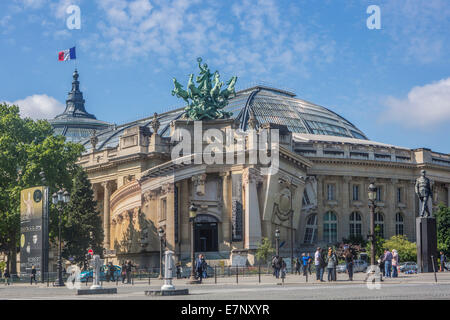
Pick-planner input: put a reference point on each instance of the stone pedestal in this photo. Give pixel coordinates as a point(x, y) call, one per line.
point(426, 235)
point(168, 289)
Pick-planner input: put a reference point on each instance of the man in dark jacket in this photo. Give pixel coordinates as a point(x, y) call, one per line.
point(130, 267)
point(33, 275)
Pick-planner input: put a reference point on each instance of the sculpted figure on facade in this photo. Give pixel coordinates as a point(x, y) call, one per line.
point(199, 184)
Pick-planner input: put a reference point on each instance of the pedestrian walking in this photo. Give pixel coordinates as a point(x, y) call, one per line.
point(395, 262)
point(443, 261)
point(297, 265)
point(199, 267)
point(276, 265)
point(348, 256)
point(283, 268)
point(306, 259)
point(124, 271)
point(317, 263)
point(387, 258)
point(331, 264)
point(204, 268)
point(33, 275)
point(129, 269)
point(7, 276)
point(381, 267)
point(178, 270)
point(111, 271)
point(309, 262)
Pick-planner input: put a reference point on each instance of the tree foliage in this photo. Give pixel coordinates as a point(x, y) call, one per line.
point(443, 228)
point(82, 224)
point(28, 147)
point(264, 250)
point(407, 251)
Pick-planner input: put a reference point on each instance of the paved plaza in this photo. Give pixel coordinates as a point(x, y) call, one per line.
point(406, 287)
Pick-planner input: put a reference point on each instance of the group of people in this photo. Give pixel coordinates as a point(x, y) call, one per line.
point(127, 269)
point(279, 267)
point(201, 267)
point(303, 265)
point(328, 261)
point(389, 263)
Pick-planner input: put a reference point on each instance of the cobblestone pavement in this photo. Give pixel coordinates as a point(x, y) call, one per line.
point(422, 286)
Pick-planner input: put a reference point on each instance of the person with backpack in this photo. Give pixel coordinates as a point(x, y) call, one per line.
point(348, 256)
point(276, 265)
point(319, 264)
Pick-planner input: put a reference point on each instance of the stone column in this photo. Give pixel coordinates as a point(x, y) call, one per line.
point(343, 222)
point(252, 217)
point(226, 209)
point(320, 201)
point(106, 213)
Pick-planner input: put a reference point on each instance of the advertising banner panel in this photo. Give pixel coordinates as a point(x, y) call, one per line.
point(34, 230)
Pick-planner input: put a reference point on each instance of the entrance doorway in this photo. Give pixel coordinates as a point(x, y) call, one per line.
point(206, 235)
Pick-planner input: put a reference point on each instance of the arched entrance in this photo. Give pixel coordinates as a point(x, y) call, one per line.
point(206, 233)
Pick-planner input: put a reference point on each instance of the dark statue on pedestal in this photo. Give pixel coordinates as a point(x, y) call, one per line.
point(423, 191)
point(425, 227)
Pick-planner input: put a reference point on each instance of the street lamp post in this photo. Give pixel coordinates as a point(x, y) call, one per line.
point(161, 234)
point(192, 215)
point(372, 195)
point(58, 199)
point(277, 241)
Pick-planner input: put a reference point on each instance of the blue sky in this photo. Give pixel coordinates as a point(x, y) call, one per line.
point(392, 83)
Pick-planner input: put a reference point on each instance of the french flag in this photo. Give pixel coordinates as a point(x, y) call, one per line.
point(68, 54)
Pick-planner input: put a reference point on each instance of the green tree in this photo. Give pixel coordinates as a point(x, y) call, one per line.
point(28, 147)
point(443, 228)
point(264, 250)
point(407, 251)
point(82, 225)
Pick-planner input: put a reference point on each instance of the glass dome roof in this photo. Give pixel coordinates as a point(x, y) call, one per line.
point(267, 104)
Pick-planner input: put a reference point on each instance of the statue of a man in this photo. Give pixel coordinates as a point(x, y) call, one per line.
point(423, 191)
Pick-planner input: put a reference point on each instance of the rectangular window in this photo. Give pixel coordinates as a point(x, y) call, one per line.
point(399, 195)
point(379, 193)
point(163, 210)
point(355, 192)
point(330, 192)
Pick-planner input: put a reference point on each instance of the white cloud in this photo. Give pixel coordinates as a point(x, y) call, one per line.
point(417, 28)
point(39, 107)
point(423, 107)
point(259, 38)
point(33, 4)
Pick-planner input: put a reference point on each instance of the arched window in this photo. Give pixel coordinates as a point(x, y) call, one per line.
point(330, 227)
point(399, 224)
point(379, 221)
point(311, 229)
point(355, 224)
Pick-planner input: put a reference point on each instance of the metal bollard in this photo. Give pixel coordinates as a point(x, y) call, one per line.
point(237, 274)
point(259, 273)
point(434, 269)
point(215, 274)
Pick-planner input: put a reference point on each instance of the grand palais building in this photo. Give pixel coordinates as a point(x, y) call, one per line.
point(318, 197)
